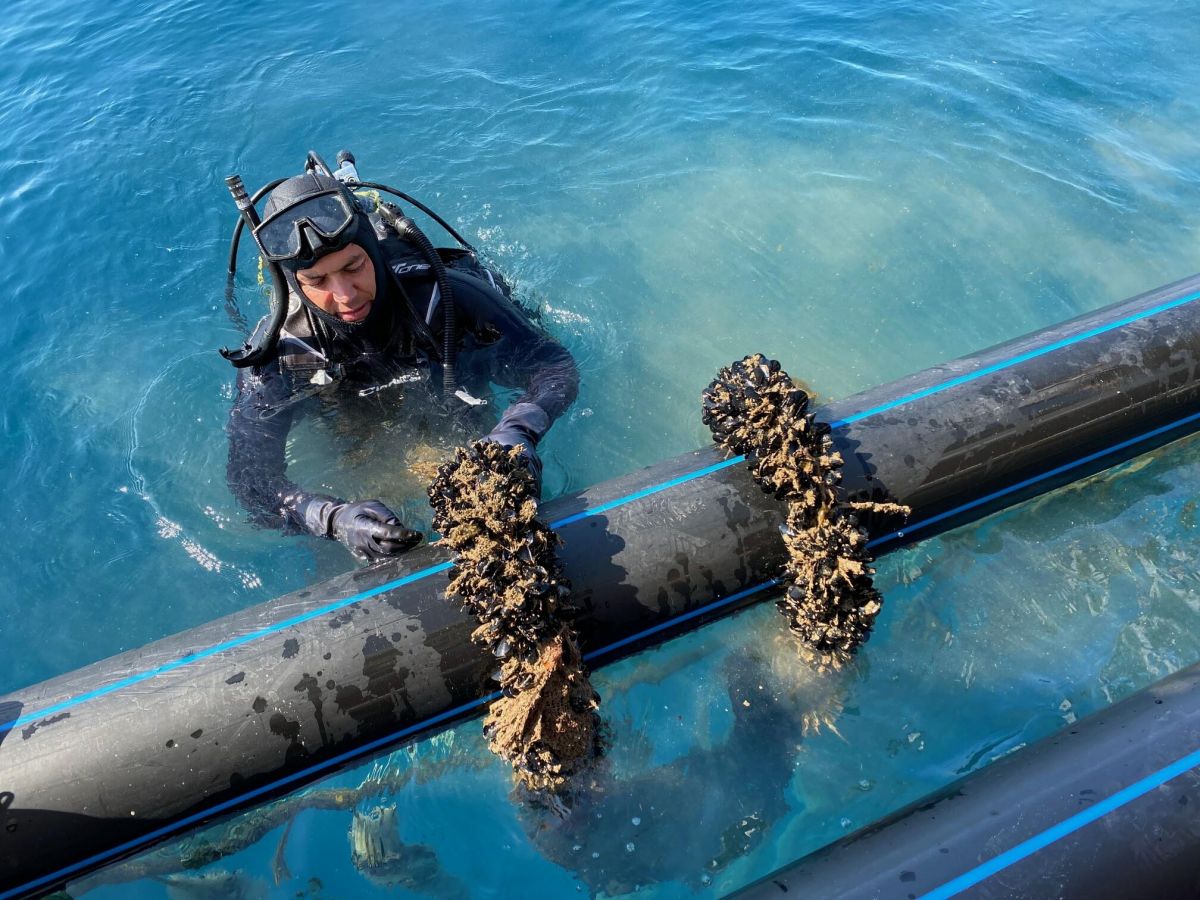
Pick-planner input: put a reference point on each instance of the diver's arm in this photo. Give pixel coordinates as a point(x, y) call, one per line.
point(257, 472)
point(525, 357)
point(531, 359)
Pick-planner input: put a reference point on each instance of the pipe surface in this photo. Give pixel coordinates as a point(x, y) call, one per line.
point(102, 762)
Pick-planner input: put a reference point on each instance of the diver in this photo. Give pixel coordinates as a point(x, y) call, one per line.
point(365, 307)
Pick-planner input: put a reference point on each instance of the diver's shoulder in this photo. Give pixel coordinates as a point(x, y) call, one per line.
point(406, 259)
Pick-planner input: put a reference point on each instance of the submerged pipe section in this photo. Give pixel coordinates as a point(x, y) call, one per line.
point(104, 761)
point(1106, 808)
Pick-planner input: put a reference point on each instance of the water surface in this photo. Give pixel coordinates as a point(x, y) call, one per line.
point(860, 190)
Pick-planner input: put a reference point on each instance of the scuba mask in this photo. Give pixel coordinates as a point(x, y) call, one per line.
point(312, 227)
point(308, 217)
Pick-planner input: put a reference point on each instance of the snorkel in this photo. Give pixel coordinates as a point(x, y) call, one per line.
point(260, 346)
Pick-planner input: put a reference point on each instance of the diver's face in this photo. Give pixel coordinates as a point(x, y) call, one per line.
point(341, 284)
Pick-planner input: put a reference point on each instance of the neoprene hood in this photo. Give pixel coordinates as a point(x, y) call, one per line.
point(298, 193)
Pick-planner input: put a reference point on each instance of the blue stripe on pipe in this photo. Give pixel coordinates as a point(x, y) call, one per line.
point(679, 620)
point(954, 382)
point(225, 645)
point(1091, 457)
point(1040, 841)
point(340, 604)
point(1016, 360)
point(646, 492)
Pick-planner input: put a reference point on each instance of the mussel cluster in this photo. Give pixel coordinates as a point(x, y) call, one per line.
point(546, 722)
point(507, 575)
point(754, 408)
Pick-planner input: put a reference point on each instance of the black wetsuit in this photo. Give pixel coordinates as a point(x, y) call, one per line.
point(315, 363)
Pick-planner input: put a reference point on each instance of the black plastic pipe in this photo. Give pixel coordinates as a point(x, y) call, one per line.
point(1108, 808)
point(106, 760)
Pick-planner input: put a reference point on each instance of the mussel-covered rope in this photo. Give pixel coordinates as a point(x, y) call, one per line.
point(754, 408)
point(508, 576)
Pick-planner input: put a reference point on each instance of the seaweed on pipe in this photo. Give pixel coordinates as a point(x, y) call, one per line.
point(754, 408)
point(507, 575)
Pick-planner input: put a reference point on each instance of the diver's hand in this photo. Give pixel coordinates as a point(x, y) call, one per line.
point(371, 530)
point(523, 425)
point(528, 454)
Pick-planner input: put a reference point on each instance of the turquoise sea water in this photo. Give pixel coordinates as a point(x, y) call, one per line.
point(859, 189)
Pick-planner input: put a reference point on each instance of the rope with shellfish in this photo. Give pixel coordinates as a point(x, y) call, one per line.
point(508, 576)
point(754, 408)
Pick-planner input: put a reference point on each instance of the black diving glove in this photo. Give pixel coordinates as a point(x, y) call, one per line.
point(372, 531)
point(524, 424)
point(368, 528)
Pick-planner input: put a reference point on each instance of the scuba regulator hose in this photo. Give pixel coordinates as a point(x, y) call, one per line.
point(407, 229)
point(257, 348)
point(375, 185)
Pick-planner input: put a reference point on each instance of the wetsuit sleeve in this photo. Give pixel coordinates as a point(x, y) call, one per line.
point(524, 357)
point(257, 472)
